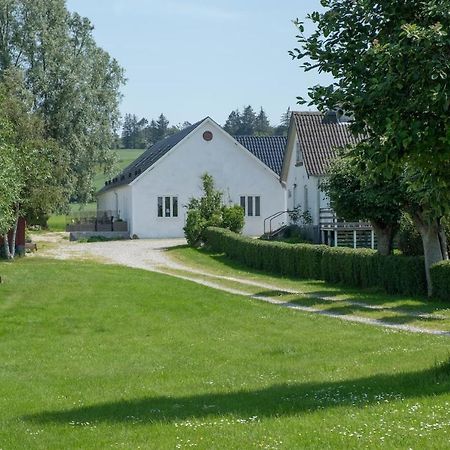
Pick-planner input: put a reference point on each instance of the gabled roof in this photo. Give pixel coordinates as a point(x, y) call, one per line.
point(268, 149)
point(148, 158)
point(320, 135)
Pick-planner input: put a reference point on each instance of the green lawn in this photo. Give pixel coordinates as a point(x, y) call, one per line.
point(96, 356)
point(369, 303)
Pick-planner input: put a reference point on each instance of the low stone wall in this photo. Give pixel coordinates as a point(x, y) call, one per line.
point(118, 226)
point(77, 235)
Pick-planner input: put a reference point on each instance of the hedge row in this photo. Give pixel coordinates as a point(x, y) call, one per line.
point(356, 268)
point(440, 275)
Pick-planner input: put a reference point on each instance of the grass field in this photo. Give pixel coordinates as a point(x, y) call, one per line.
point(124, 158)
point(96, 356)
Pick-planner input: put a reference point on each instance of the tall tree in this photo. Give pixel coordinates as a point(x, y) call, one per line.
point(282, 129)
point(262, 124)
point(40, 167)
point(234, 123)
point(75, 84)
point(391, 69)
point(129, 131)
point(162, 125)
point(248, 122)
point(11, 184)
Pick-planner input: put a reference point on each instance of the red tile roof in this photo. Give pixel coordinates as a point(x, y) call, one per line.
point(320, 136)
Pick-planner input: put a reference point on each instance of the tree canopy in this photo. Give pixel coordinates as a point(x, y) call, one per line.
point(34, 167)
point(391, 72)
point(249, 123)
point(74, 83)
point(355, 195)
point(141, 134)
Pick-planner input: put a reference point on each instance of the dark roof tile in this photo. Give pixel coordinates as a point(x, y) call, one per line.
point(268, 149)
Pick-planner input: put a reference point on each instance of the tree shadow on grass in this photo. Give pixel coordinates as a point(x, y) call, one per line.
point(371, 296)
point(404, 313)
point(273, 401)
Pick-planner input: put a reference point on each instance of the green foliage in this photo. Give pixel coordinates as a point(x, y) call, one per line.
point(40, 166)
point(233, 218)
point(209, 211)
point(409, 239)
point(390, 64)
point(357, 268)
point(248, 123)
point(74, 83)
point(262, 124)
point(299, 217)
point(440, 275)
point(141, 134)
point(10, 186)
point(282, 129)
point(354, 195)
point(195, 225)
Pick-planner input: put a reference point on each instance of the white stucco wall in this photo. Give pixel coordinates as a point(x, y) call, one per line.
point(303, 190)
point(117, 201)
point(235, 170)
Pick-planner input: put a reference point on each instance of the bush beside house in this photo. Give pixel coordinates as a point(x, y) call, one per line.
point(440, 275)
point(357, 268)
point(209, 211)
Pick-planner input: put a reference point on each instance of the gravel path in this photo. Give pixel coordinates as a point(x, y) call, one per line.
point(152, 255)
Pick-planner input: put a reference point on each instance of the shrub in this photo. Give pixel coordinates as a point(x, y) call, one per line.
point(208, 211)
point(440, 276)
point(233, 218)
point(358, 268)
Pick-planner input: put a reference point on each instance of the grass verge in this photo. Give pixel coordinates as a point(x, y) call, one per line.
point(97, 356)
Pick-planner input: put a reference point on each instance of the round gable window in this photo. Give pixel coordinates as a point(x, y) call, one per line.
point(207, 136)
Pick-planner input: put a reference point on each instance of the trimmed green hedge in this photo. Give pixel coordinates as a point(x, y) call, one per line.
point(357, 268)
point(440, 276)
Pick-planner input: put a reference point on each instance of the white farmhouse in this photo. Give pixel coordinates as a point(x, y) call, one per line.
point(313, 142)
point(152, 192)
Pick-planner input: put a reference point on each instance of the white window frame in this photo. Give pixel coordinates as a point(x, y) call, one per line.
point(168, 213)
point(246, 200)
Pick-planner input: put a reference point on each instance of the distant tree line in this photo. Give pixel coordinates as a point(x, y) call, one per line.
point(140, 133)
point(250, 123)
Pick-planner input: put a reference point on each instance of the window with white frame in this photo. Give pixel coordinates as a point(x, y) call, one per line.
point(167, 206)
point(251, 204)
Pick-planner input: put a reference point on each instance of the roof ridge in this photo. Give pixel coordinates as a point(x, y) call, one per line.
point(149, 157)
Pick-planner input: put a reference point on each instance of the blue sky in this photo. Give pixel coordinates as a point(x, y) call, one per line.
point(194, 58)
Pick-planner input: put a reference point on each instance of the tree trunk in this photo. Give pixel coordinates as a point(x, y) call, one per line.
point(385, 237)
point(14, 234)
point(6, 246)
point(430, 232)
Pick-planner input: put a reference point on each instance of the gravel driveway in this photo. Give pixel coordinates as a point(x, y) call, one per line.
point(147, 254)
